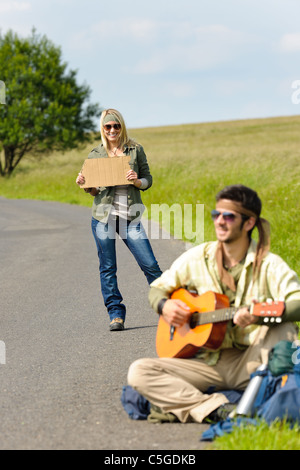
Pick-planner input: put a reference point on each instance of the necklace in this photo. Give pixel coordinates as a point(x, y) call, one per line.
point(114, 151)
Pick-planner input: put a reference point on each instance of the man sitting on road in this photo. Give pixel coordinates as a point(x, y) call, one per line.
point(242, 269)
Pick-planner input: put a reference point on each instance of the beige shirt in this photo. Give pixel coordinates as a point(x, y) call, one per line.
point(196, 269)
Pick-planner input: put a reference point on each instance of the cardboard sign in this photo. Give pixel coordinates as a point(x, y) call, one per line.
point(105, 171)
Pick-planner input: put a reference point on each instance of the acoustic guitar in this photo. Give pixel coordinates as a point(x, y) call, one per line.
point(206, 328)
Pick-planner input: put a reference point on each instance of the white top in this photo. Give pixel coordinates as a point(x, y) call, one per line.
point(121, 199)
point(120, 202)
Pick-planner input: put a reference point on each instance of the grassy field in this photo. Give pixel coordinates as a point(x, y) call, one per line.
point(190, 163)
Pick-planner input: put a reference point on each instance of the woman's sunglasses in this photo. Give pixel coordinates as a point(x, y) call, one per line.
point(227, 216)
point(108, 127)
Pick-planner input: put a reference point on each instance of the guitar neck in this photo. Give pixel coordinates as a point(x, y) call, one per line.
point(223, 314)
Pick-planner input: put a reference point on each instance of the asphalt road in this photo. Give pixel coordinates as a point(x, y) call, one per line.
point(62, 370)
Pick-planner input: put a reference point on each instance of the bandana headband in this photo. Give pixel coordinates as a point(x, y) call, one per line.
point(237, 207)
point(110, 117)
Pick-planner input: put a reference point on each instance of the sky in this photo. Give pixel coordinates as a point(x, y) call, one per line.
point(172, 62)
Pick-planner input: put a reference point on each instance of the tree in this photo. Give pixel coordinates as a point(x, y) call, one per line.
point(45, 109)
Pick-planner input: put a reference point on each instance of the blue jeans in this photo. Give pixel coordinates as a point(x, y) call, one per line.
point(135, 238)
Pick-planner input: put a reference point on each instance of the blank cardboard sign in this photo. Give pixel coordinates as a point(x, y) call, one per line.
point(105, 171)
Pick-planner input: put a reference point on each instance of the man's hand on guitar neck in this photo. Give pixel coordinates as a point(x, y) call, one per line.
point(243, 318)
point(176, 312)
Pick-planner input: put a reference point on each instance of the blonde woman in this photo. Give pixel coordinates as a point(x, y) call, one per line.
point(117, 209)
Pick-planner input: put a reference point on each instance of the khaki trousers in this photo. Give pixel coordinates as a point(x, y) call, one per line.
point(178, 385)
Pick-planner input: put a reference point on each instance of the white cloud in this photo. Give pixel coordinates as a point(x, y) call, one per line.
point(114, 34)
point(290, 42)
point(126, 28)
point(188, 47)
point(232, 86)
point(7, 6)
point(179, 89)
point(157, 46)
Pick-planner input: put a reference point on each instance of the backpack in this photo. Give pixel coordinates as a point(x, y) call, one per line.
point(278, 396)
point(136, 406)
point(279, 393)
point(282, 358)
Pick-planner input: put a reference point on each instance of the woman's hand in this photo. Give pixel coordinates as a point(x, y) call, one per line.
point(131, 175)
point(80, 179)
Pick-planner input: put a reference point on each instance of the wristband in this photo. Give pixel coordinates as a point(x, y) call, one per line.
point(160, 306)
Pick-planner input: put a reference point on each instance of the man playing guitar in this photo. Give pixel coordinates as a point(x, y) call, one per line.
point(238, 269)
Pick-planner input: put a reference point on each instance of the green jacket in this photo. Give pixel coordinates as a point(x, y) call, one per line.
point(103, 202)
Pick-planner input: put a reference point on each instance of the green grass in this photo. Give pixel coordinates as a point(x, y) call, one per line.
point(49, 178)
point(277, 436)
point(190, 163)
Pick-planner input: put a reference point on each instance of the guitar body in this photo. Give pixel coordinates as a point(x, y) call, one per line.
point(186, 340)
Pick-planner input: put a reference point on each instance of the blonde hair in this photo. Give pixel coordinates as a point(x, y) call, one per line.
point(123, 138)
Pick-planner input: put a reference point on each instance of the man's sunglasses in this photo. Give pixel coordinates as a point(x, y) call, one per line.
point(108, 127)
point(227, 216)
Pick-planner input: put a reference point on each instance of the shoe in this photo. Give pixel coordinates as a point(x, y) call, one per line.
point(117, 324)
point(220, 414)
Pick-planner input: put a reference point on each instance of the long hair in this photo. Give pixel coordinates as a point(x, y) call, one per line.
point(123, 137)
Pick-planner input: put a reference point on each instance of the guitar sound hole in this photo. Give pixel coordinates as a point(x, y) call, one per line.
point(193, 322)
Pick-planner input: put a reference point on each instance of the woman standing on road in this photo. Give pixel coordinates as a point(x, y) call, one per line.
point(117, 209)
